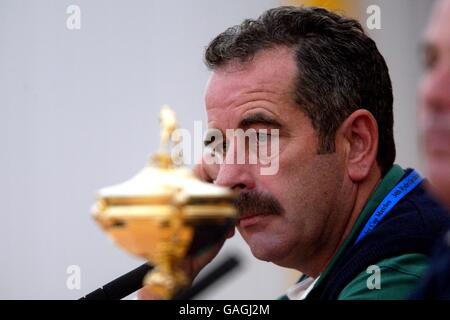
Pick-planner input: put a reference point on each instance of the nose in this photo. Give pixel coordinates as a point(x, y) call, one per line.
point(436, 89)
point(234, 175)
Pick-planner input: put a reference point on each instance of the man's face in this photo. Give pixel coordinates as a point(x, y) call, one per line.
point(435, 101)
point(286, 217)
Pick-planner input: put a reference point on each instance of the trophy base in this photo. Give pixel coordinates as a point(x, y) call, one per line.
point(165, 285)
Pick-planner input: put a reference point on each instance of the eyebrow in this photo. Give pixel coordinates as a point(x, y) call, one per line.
point(248, 121)
point(258, 118)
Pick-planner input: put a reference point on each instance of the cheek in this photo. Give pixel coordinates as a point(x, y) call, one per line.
point(421, 116)
point(424, 90)
point(424, 112)
point(284, 185)
point(439, 175)
point(312, 185)
point(291, 187)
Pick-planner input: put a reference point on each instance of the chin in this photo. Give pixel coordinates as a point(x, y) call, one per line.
point(265, 249)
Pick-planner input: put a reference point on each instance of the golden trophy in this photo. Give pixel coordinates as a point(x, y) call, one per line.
point(164, 213)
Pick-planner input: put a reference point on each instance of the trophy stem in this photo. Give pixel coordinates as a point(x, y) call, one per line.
point(167, 279)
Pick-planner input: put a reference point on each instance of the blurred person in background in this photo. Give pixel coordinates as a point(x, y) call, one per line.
point(434, 123)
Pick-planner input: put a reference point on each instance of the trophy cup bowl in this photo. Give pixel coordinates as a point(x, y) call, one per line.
point(165, 214)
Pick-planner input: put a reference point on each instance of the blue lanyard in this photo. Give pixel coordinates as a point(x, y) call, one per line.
point(399, 192)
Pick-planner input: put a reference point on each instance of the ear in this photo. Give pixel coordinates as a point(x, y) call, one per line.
point(358, 136)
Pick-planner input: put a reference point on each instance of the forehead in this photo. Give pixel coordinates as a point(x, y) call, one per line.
point(438, 31)
point(270, 76)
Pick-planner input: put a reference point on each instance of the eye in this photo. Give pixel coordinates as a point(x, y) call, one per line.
point(262, 136)
point(216, 147)
point(214, 142)
point(430, 57)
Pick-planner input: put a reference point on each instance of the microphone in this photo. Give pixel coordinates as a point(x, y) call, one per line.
point(122, 286)
point(132, 281)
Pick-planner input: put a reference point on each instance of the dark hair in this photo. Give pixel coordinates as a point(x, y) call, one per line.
point(340, 68)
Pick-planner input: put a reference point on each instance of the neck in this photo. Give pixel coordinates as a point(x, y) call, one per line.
point(339, 232)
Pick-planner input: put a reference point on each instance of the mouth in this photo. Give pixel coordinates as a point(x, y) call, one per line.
point(250, 219)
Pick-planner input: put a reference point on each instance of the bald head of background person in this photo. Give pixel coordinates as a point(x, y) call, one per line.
point(434, 123)
point(434, 110)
